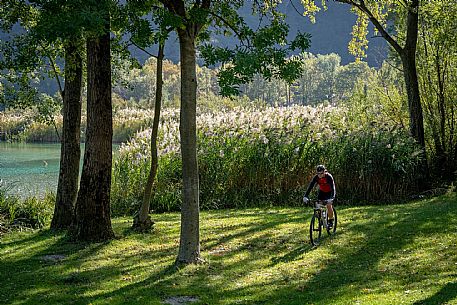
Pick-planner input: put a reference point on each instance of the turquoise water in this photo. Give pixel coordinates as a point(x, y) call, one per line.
point(30, 169)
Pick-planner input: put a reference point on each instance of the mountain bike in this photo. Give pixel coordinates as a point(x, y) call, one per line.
point(319, 221)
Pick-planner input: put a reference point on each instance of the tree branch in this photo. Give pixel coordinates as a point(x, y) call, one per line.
point(295, 8)
point(53, 65)
point(402, 3)
point(142, 49)
point(362, 7)
point(228, 25)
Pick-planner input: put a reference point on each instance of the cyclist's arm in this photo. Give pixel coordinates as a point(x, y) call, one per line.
point(331, 182)
point(311, 185)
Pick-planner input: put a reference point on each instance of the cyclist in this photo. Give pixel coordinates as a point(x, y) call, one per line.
point(326, 190)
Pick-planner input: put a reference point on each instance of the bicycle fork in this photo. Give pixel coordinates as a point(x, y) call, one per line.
point(324, 218)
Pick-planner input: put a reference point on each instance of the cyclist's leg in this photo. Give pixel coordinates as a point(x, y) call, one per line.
point(329, 210)
point(326, 196)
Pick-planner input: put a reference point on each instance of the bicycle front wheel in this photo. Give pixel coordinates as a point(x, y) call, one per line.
point(315, 230)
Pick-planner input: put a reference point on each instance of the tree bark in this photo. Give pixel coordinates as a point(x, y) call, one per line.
point(70, 152)
point(408, 57)
point(92, 216)
point(416, 120)
point(189, 247)
point(142, 222)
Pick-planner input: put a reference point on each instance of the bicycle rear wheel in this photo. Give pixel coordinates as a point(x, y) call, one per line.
point(335, 222)
point(315, 230)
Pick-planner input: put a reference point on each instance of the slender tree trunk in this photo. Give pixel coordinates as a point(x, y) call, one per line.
point(142, 222)
point(441, 100)
point(439, 131)
point(92, 215)
point(70, 152)
point(189, 247)
point(426, 84)
point(416, 120)
point(452, 137)
point(408, 58)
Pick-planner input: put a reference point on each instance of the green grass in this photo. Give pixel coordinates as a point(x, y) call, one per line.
point(400, 254)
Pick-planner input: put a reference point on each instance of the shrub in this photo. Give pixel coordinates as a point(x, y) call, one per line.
point(31, 212)
point(251, 157)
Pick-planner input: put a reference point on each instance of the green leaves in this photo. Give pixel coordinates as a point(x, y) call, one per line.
point(264, 51)
point(276, 33)
point(301, 42)
point(13, 12)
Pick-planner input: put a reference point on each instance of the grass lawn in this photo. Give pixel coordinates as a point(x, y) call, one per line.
point(401, 254)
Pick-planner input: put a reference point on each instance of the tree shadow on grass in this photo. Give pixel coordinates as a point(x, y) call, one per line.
point(208, 277)
point(388, 231)
point(34, 258)
point(447, 293)
point(49, 268)
point(351, 272)
point(241, 230)
point(292, 255)
point(32, 238)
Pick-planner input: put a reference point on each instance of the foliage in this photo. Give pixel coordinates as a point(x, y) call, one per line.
point(378, 12)
point(402, 39)
point(255, 157)
point(265, 53)
point(30, 212)
point(437, 66)
point(253, 256)
point(24, 125)
point(323, 79)
point(378, 98)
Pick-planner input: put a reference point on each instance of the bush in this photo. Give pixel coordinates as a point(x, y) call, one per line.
point(250, 157)
point(31, 212)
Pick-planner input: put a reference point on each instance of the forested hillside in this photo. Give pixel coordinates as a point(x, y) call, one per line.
point(330, 33)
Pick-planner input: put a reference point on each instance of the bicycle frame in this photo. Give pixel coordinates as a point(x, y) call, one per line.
point(319, 221)
point(322, 208)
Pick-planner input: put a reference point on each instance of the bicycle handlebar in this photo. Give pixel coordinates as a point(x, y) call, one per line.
point(320, 203)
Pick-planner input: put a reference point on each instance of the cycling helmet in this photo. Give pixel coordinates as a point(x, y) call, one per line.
point(320, 168)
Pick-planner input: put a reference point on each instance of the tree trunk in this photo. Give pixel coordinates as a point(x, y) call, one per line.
point(92, 216)
point(439, 141)
point(416, 120)
point(408, 58)
point(189, 247)
point(441, 105)
point(70, 152)
point(142, 222)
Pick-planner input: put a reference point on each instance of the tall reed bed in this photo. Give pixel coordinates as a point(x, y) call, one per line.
point(252, 157)
point(25, 126)
point(12, 125)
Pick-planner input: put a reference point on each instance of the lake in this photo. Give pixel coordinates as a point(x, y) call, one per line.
point(28, 169)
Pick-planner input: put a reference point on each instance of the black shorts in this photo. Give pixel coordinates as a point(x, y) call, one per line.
point(324, 195)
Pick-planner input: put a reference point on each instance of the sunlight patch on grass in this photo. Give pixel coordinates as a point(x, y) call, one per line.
point(252, 256)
